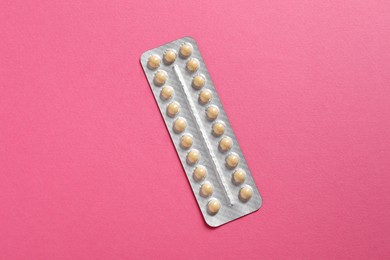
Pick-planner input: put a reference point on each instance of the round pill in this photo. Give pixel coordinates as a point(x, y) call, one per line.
point(166, 92)
point(169, 57)
point(186, 141)
point(160, 78)
point(206, 189)
point(238, 177)
point(153, 62)
point(245, 193)
point(179, 125)
point(213, 206)
point(232, 160)
point(192, 65)
point(193, 157)
point(212, 112)
point(218, 129)
point(198, 81)
point(185, 50)
point(225, 144)
point(205, 96)
point(199, 173)
point(173, 108)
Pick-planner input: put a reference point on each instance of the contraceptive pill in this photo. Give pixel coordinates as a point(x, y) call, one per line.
point(185, 50)
point(179, 124)
point(166, 92)
point(225, 144)
point(173, 109)
point(205, 96)
point(238, 177)
point(169, 56)
point(212, 112)
point(193, 157)
point(218, 129)
point(201, 132)
point(199, 173)
point(186, 141)
point(192, 65)
point(153, 62)
point(232, 160)
point(206, 189)
point(198, 81)
point(245, 193)
point(213, 206)
point(160, 77)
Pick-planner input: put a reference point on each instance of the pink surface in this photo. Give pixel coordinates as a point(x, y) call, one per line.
point(87, 169)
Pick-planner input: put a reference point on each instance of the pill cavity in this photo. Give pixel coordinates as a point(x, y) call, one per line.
point(225, 144)
point(160, 78)
point(186, 141)
point(205, 96)
point(166, 92)
point(199, 173)
point(212, 112)
point(218, 129)
point(193, 157)
point(185, 50)
point(232, 160)
point(169, 56)
point(213, 206)
point(198, 81)
point(238, 177)
point(245, 193)
point(206, 189)
point(179, 125)
point(192, 65)
point(153, 62)
point(173, 109)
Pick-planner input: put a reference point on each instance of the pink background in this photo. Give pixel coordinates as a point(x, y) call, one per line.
point(87, 169)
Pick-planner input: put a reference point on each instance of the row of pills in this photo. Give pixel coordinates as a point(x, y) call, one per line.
point(192, 158)
point(180, 123)
point(218, 129)
point(170, 55)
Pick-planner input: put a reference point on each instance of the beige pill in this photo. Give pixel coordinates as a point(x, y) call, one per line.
point(206, 190)
point(193, 157)
point(198, 81)
point(179, 125)
point(218, 129)
point(166, 92)
point(192, 65)
point(213, 206)
point(212, 112)
point(205, 96)
point(225, 144)
point(232, 160)
point(169, 57)
point(186, 141)
point(238, 177)
point(173, 108)
point(153, 62)
point(160, 78)
point(245, 193)
point(185, 50)
point(199, 173)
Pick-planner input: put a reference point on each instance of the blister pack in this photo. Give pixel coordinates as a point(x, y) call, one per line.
point(200, 130)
